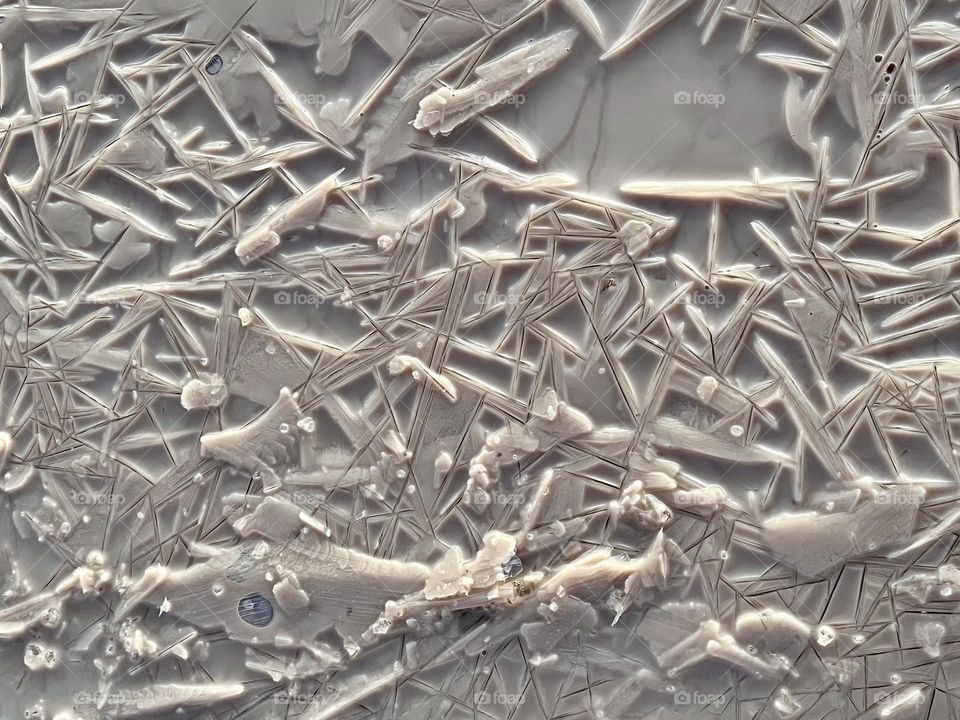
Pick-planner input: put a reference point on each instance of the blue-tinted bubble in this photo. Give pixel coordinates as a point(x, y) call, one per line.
point(255, 610)
point(214, 65)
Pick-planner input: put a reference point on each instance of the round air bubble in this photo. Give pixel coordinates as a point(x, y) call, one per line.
point(255, 610)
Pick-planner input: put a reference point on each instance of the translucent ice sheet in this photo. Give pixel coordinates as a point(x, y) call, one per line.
point(500, 359)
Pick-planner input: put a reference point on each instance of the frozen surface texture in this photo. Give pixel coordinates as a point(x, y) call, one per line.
point(479, 359)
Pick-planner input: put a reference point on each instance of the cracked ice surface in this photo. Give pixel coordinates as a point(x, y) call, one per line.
point(504, 359)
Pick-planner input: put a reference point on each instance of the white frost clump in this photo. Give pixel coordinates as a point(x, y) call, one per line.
point(707, 387)
point(205, 391)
